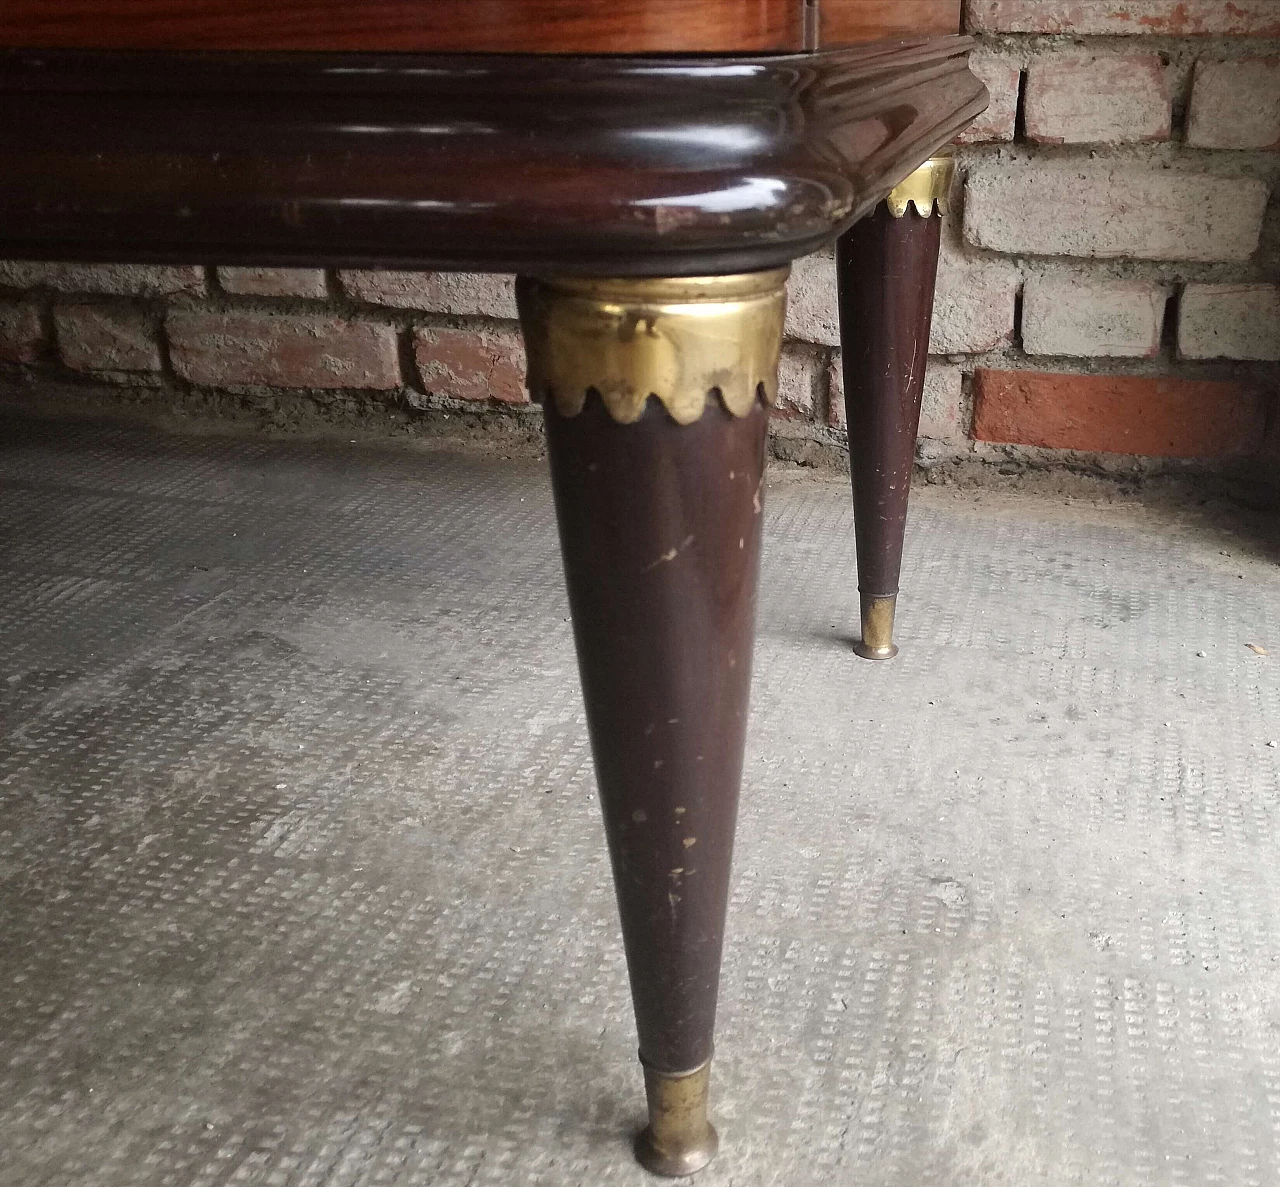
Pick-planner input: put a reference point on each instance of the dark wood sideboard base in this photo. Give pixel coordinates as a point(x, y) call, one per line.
point(678, 189)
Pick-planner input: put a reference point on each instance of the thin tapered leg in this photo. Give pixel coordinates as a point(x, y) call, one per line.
point(658, 504)
point(886, 266)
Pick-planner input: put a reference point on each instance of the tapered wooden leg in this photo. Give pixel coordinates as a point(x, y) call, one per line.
point(886, 266)
point(658, 502)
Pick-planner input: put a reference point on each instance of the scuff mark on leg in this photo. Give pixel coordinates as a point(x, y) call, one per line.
point(673, 899)
point(670, 554)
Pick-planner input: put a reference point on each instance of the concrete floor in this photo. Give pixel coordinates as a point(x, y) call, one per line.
point(302, 882)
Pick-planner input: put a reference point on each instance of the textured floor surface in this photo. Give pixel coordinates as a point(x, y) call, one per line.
point(302, 883)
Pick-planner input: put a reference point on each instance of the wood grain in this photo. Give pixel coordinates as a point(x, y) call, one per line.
point(430, 26)
point(852, 22)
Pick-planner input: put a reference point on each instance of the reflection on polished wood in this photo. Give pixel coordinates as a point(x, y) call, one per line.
point(429, 26)
point(521, 163)
point(471, 26)
point(851, 22)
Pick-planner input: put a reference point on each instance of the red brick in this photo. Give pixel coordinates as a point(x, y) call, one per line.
point(108, 338)
point(1229, 321)
point(1001, 76)
point(138, 280)
point(459, 293)
point(21, 334)
point(1171, 18)
point(279, 350)
point(1155, 417)
point(274, 282)
point(1108, 209)
point(1103, 99)
point(472, 364)
point(1235, 104)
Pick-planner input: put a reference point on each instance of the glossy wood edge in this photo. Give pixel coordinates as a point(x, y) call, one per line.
point(854, 22)
point(597, 165)
point(470, 26)
point(407, 26)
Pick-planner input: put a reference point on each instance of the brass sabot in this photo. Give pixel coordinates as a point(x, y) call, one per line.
point(679, 1140)
point(679, 340)
point(928, 186)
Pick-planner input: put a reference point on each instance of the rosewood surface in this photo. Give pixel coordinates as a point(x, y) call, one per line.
point(430, 26)
point(885, 268)
point(852, 22)
point(658, 166)
point(470, 26)
point(660, 529)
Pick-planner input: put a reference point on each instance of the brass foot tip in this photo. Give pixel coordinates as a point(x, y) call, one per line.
point(861, 648)
point(679, 1140)
point(877, 627)
point(675, 1164)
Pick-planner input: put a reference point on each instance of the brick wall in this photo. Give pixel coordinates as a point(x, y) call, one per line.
point(1108, 282)
point(1121, 197)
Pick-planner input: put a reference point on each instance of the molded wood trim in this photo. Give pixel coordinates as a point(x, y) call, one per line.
point(658, 166)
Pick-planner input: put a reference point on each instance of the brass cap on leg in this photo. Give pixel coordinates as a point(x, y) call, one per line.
point(877, 627)
point(928, 187)
point(682, 340)
point(679, 1139)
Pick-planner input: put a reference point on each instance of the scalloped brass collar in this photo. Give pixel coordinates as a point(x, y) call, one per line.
point(928, 186)
point(678, 340)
